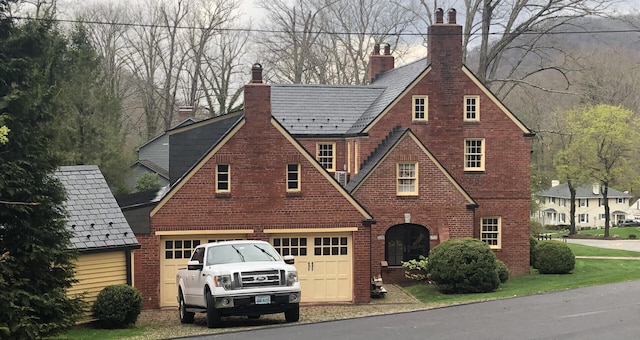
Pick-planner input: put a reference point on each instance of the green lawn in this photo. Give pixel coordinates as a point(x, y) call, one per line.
point(587, 272)
point(621, 232)
point(87, 333)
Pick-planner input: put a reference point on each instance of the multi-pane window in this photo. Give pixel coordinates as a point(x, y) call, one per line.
point(296, 246)
point(471, 105)
point(490, 231)
point(562, 202)
point(583, 202)
point(222, 178)
point(583, 218)
point(293, 177)
point(179, 249)
point(327, 246)
point(407, 178)
point(562, 218)
point(603, 217)
point(551, 200)
point(405, 242)
point(474, 154)
point(420, 108)
point(326, 155)
point(621, 200)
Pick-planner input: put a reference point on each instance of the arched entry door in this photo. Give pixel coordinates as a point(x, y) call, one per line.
point(404, 242)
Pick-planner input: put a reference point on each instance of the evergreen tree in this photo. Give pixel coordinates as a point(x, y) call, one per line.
point(36, 269)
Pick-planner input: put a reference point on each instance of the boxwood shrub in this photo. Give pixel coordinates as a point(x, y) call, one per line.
point(117, 306)
point(502, 270)
point(532, 246)
point(463, 265)
point(552, 257)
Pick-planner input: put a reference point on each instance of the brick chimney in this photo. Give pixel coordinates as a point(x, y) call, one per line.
point(444, 43)
point(257, 97)
point(379, 63)
point(185, 112)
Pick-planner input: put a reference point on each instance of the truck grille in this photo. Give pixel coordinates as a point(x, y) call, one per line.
point(262, 278)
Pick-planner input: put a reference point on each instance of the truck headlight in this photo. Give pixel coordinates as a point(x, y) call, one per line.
point(292, 278)
point(223, 281)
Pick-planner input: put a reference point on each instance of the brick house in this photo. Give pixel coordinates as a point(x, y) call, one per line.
point(352, 180)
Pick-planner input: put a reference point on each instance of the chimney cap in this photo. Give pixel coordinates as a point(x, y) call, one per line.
point(452, 16)
point(439, 16)
point(256, 73)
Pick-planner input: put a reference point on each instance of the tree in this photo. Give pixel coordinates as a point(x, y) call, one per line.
point(603, 145)
point(148, 181)
point(37, 267)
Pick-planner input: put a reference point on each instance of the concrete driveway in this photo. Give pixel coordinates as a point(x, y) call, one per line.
point(633, 245)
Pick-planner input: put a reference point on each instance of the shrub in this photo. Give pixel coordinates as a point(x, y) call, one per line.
point(532, 245)
point(117, 306)
point(463, 265)
point(633, 236)
point(502, 270)
point(552, 257)
point(416, 269)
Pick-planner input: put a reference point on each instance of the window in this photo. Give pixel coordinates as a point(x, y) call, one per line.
point(293, 177)
point(471, 108)
point(474, 155)
point(603, 217)
point(420, 108)
point(583, 218)
point(407, 176)
point(600, 202)
point(326, 155)
point(583, 202)
point(621, 200)
point(328, 246)
point(406, 242)
point(551, 200)
point(562, 218)
point(562, 202)
point(222, 178)
point(179, 249)
point(490, 231)
point(290, 246)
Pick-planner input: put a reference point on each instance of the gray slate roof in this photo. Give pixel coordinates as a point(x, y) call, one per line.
point(585, 192)
point(94, 215)
point(339, 109)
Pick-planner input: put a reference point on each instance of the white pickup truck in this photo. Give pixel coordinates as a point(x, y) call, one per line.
point(244, 277)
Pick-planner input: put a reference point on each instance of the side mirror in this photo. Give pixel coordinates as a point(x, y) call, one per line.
point(288, 259)
point(194, 265)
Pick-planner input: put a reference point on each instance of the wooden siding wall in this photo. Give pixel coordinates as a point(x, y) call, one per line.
point(96, 271)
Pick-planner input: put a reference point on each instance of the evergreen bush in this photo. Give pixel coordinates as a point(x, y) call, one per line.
point(117, 306)
point(463, 265)
point(552, 257)
point(532, 245)
point(502, 270)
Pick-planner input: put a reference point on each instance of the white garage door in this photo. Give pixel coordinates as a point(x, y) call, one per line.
point(174, 254)
point(324, 264)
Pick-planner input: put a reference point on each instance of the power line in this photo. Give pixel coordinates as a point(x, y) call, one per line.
point(253, 30)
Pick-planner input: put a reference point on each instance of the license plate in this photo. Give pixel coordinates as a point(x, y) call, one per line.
point(263, 299)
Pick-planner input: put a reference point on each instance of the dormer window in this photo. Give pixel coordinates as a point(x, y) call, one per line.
point(420, 108)
point(471, 108)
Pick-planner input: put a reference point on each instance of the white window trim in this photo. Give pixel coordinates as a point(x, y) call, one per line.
point(415, 178)
point(499, 245)
point(426, 108)
point(228, 178)
point(483, 155)
point(333, 154)
point(477, 106)
point(298, 188)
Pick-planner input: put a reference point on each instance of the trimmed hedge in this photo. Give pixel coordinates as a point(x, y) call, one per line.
point(117, 306)
point(502, 270)
point(463, 265)
point(552, 257)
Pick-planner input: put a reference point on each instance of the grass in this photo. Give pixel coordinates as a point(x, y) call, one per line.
point(84, 332)
point(587, 272)
point(621, 232)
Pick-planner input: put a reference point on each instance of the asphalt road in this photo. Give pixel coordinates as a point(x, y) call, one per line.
point(602, 312)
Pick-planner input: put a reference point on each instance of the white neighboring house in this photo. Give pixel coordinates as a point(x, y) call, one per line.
point(633, 212)
point(555, 206)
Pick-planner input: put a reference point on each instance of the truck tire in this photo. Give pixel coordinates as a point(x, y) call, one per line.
point(213, 315)
point(292, 314)
point(185, 317)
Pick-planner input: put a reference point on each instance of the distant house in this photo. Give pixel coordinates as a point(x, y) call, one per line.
point(101, 234)
point(351, 180)
point(555, 206)
point(633, 212)
point(153, 155)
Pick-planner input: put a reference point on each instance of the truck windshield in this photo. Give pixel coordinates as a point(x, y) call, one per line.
point(246, 252)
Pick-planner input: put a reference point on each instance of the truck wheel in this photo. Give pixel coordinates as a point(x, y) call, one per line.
point(213, 315)
point(185, 317)
point(292, 314)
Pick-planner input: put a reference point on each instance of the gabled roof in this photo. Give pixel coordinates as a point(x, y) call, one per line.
point(151, 166)
point(386, 147)
point(141, 198)
point(185, 122)
point(339, 109)
point(95, 218)
point(585, 191)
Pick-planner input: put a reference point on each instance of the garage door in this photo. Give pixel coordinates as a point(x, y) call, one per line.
point(175, 252)
point(324, 264)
